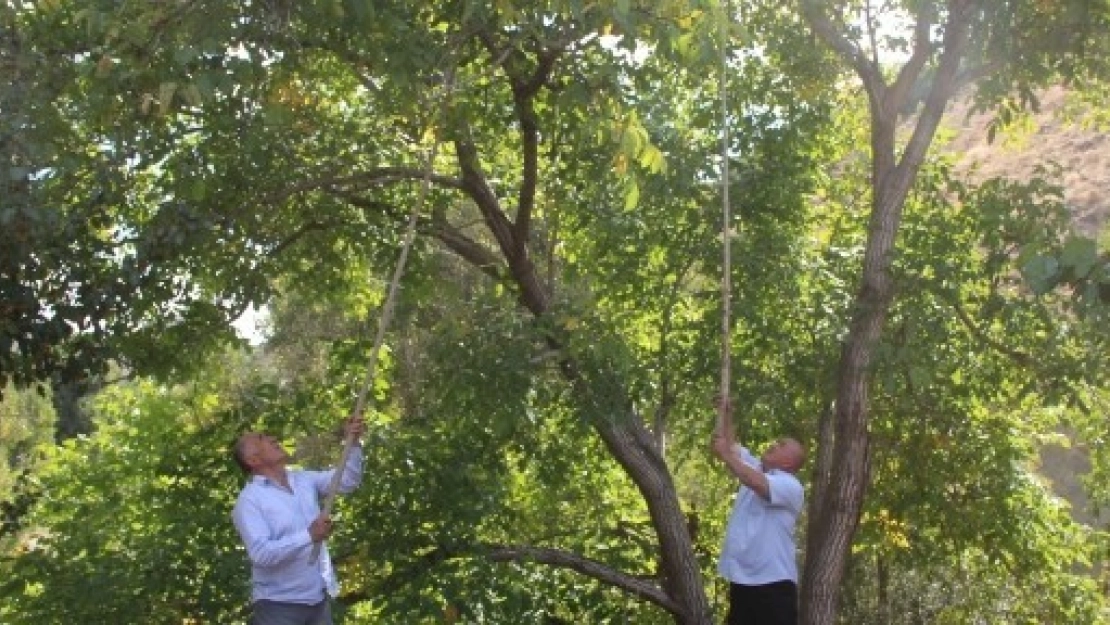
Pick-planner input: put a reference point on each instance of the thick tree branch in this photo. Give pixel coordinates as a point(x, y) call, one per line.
point(815, 13)
point(845, 450)
point(524, 93)
point(470, 250)
point(475, 185)
point(869, 20)
point(525, 84)
point(532, 294)
point(500, 56)
point(379, 176)
point(955, 44)
point(599, 571)
point(545, 64)
point(923, 50)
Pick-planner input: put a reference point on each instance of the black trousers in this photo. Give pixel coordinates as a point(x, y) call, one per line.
point(266, 612)
point(768, 604)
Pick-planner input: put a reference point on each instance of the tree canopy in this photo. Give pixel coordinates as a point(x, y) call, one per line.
point(542, 406)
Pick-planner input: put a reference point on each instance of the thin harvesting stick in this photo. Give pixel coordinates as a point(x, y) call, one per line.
point(726, 226)
point(383, 324)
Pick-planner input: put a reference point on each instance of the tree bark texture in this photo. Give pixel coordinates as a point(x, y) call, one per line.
point(843, 462)
point(625, 435)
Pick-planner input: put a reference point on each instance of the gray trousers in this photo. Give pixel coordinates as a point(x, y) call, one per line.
point(265, 612)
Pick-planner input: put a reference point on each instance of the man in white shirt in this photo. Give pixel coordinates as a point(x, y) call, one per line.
point(758, 557)
point(279, 519)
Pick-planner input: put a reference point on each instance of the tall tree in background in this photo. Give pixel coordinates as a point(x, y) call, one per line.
point(1006, 48)
point(76, 292)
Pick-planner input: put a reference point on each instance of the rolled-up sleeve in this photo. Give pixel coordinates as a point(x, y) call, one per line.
point(352, 471)
point(350, 480)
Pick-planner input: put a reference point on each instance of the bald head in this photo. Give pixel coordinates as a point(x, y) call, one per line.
point(785, 454)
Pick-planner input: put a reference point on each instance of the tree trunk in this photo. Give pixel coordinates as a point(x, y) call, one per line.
point(634, 447)
point(624, 435)
point(843, 463)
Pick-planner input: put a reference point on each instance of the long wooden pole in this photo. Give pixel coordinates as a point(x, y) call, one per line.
point(726, 229)
point(383, 325)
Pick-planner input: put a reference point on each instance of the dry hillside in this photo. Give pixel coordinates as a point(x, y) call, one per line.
point(1083, 154)
point(1084, 158)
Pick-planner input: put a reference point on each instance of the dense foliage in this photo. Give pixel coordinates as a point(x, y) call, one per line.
point(540, 412)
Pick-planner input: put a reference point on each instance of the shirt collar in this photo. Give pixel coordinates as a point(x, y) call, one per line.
point(263, 480)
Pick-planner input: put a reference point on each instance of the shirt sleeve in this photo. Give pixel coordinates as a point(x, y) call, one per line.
point(352, 471)
point(785, 491)
point(261, 549)
point(746, 456)
point(352, 474)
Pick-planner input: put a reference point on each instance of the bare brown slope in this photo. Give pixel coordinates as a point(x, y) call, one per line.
point(1083, 154)
point(1084, 158)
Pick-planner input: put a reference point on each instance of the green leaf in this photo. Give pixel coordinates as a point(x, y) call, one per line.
point(185, 54)
point(1080, 255)
point(631, 195)
point(198, 190)
point(165, 96)
point(192, 95)
point(1042, 273)
point(652, 159)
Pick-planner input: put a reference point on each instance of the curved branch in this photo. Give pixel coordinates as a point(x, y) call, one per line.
point(377, 176)
point(500, 56)
point(368, 204)
point(475, 185)
point(593, 569)
point(310, 226)
point(975, 73)
point(1019, 357)
point(470, 250)
point(525, 85)
point(598, 571)
point(524, 93)
point(387, 175)
point(822, 25)
point(955, 43)
point(544, 66)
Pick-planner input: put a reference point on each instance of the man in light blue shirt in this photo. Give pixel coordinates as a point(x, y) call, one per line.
point(279, 519)
point(758, 557)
